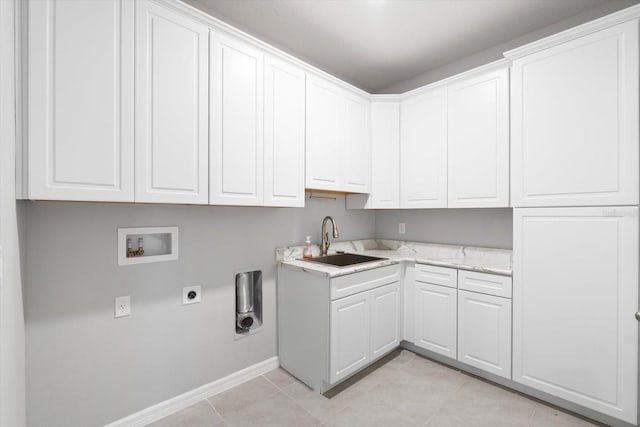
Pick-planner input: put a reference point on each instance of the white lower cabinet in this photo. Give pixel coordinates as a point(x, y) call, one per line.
point(330, 328)
point(464, 315)
point(435, 315)
point(385, 319)
point(484, 332)
point(350, 332)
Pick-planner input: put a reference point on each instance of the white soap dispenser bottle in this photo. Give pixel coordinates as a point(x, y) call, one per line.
point(306, 252)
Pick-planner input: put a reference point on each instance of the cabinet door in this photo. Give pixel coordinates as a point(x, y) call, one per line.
point(356, 154)
point(236, 152)
point(385, 319)
point(80, 107)
point(435, 314)
point(350, 335)
point(423, 150)
point(484, 332)
point(284, 125)
point(478, 139)
point(172, 54)
point(385, 155)
point(575, 293)
point(575, 122)
point(324, 129)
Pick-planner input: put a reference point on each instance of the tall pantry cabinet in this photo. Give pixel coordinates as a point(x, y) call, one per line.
point(575, 192)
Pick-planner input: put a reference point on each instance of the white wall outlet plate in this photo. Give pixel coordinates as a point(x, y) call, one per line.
point(191, 295)
point(401, 227)
point(123, 306)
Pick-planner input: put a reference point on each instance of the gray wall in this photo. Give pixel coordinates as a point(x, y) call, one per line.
point(87, 368)
point(491, 228)
point(495, 53)
point(12, 334)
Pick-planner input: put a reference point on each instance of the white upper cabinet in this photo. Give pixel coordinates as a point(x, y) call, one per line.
point(478, 137)
point(324, 136)
point(236, 150)
point(575, 294)
point(284, 132)
point(338, 141)
point(80, 103)
point(172, 54)
point(575, 121)
point(423, 150)
point(356, 154)
point(385, 155)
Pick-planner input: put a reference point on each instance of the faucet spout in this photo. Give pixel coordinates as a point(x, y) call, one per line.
point(324, 246)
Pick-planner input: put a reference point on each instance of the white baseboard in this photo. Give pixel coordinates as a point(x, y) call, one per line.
point(168, 407)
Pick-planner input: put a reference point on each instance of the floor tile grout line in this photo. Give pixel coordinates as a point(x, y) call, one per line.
point(214, 409)
point(275, 385)
point(302, 407)
point(263, 398)
point(452, 396)
point(533, 414)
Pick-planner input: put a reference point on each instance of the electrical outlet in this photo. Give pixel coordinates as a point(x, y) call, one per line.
point(191, 295)
point(123, 306)
point(401, 227)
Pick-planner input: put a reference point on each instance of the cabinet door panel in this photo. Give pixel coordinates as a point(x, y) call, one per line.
point(385, 319)
point(284, 128)
point(236, 176)
point(385, 152)
point(350, 339)
point(356, 166)
point(575, 293)
point(478, 139)
point(435, 315)
point(575, 122)
point(80, 105)
point(171, 107)
point(324, 134)
point(423, 150)
point(484, 332)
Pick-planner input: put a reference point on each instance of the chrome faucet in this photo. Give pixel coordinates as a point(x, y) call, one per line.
point(324, 246)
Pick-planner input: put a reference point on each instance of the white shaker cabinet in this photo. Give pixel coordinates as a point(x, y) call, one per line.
point(329, 328)
point(338, 150)
point(484, 332)
point(324, 136)
point(575, 120)
point(236, 149)
point(356, 153)
point(478, 141)
point(284, 133)
point(385, 155)
point(435, 311)
point(575, 294)
point(172, 106)
point(423, 150)
point(386, 309)
point(350, 335)
point(81, 100)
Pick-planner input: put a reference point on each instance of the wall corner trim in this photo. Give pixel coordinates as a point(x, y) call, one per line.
point(169, 406)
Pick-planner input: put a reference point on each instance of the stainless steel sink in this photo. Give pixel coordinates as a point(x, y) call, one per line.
point(343, 260)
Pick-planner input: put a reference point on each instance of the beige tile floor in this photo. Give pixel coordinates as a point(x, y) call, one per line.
point(404, 389)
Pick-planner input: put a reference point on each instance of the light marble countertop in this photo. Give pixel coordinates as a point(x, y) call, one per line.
point(485, 260)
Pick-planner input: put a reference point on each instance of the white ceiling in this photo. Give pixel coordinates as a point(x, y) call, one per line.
point(378, 43)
